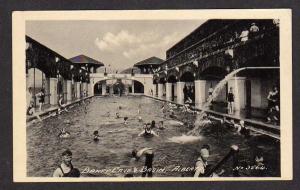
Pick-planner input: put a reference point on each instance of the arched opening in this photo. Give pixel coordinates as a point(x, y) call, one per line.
point(118, 87)
point(98, 88)
point(138, 87)
point(189, 87)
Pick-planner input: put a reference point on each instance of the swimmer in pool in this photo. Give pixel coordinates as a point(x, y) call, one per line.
point(153, 124)
point(148, 132)
point(125, 120)
point(149, 156)
point(63, 133)
point(117, 115)
point(61, 105)
point(241, 129)
point(96, 136)
point(140, 119)
point(161, 125)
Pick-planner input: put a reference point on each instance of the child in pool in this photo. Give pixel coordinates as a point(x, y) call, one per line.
point(125, 120)
point(140, 119)
point(96, 135)
point(63, 133)
point(161, 125)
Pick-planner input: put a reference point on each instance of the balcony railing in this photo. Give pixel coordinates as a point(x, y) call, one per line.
point(188, 55)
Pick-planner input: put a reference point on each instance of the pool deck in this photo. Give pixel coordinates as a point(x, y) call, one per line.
point(51, 109)
point(254, 125)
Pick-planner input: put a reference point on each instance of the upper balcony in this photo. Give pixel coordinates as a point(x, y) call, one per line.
point(231, 40)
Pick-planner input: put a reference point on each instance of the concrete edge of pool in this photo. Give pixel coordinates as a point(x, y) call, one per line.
point(257, 126)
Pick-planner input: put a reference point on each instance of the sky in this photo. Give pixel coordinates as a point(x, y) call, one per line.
point(118, 44)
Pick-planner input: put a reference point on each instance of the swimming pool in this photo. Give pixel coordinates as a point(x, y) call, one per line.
point(117, 140)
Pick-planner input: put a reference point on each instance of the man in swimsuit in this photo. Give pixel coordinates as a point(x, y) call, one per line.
point(149, 155)
point(230, 99)
point(201, 162)
point(66, 168)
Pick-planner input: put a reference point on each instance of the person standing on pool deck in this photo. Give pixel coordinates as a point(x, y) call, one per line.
point(66, 168)
point(230, 99)
point(149, 155)
point(41, 96)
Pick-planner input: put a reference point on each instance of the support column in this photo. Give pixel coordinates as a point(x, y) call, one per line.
point(180, 95)
point(103, 88)
point(47, 91)
point(65, 89)
point(111, 90)
point(200, 92)
point(84, 84)
point(132, 87)
point(154, 89)
point(160, 90)
point(53, 91)
point(169, 91)
point(238, 85)
point(77, 90)
point(90, 89)
point(126, 90)
point(69, 90)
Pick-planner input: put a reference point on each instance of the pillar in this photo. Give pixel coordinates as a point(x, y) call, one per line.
point(53, 91)
point(200, 92)
point(238, 85)
point(126, 90)
point(65, 89)
point(90, 89)
point(154, 89)
point(84, 87)
point(132, 87)
point(47, 91)
point(180, 95)
point(111, 90)
point(169, 91)
point(77, 90)
point(160, 90)
point(69, 90)
point(103, 86)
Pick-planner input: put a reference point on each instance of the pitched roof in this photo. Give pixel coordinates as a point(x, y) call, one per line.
point(128, 71)
point(150, 61)
point(83, 59)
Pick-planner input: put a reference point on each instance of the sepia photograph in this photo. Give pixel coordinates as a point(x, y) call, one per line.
point(152, 95)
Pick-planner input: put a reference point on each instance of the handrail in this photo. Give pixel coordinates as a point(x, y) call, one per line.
point(232, 153)
point(234, 45)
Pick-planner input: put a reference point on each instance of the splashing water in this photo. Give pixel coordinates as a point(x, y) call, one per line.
point(185, 139)
point(200, 121)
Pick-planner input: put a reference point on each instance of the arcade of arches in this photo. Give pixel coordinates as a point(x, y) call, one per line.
point(250, 87)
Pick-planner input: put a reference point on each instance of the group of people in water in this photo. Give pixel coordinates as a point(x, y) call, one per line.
point(66, 168)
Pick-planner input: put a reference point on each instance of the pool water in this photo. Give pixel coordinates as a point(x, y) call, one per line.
point(117, 140)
